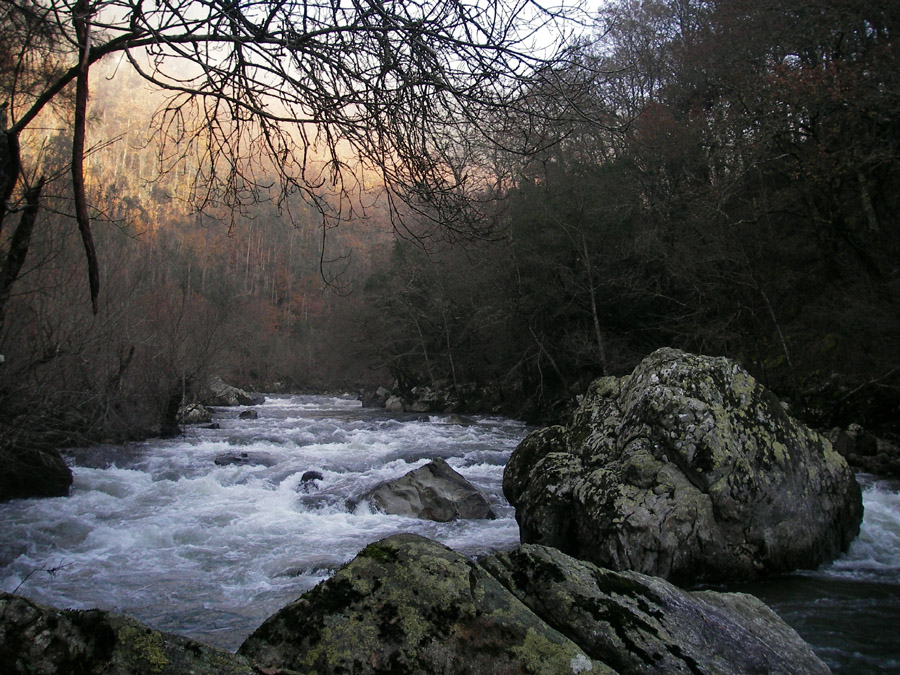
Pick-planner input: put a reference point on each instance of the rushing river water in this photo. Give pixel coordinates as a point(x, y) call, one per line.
point(161, 532)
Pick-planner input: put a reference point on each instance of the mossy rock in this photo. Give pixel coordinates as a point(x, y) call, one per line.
point(39, 640)
point(410, 605)
point(688, 469)
point(636, 623)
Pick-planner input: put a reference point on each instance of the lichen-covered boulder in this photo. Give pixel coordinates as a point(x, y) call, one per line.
point(410, 605)
point(636, 623)
point(687, 469)
point(219, 393)
point(39, 640)
point(194, 413)
point(431, 492)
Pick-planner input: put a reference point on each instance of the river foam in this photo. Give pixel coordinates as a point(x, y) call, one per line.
point(160, 531)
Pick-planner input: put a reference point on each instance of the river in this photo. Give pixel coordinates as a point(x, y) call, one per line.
point(160, 531)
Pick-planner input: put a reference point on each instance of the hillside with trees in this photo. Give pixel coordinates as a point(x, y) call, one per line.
point(408, 207)
point(729, 186)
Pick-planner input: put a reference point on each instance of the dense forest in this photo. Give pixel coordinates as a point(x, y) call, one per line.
point(716, 176)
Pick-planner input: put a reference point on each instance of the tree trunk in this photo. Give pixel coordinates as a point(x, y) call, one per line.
point(82, 21)
point(18, 246)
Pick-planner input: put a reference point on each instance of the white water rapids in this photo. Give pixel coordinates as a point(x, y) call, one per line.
point(159, 531)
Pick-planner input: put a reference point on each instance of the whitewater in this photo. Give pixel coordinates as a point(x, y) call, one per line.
point(208, 534)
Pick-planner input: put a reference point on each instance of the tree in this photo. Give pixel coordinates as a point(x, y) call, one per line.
point(321, 94)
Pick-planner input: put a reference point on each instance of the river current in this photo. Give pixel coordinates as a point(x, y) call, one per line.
point(162, 532)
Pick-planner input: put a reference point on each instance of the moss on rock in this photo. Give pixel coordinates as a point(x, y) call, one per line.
point(39, 640)
point(689, 469)
point(434, 611)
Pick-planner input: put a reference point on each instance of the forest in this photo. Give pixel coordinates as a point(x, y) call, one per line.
point(717, 176)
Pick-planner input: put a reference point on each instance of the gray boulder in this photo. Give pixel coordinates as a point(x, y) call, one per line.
point(33, 472)
point(218, 393)
point(39, 640)
point(432, 492)
point(194, 413)
point(244, 459)
point(687, 469)
point(374, 399)
point(636, 623)
point(395, 404)
point(410, 605)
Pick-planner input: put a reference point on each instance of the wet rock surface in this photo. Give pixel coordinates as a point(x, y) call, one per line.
point(433, 492)
point(39, 640)
point(244, 458)
point(636, 623)
point(687, 469)
point(33, 472)
point(194, 413)
point(219, 393)
point(410, 605)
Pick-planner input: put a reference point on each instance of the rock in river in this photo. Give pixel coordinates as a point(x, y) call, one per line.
point(33, 472)
point(39, 640)
point(410, 605)
point(688, 469)
point(219, 393)
point(432, 492)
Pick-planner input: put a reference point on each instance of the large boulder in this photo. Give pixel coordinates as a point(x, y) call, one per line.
point(432, 492)
point(374, 399)
point(636, 623)
point(687, 469)
point(410, 605)
point(33, 472)
point(194, 413)
point(219, 393)
point(39, 640)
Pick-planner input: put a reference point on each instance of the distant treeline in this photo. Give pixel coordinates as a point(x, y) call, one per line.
point(715, 176)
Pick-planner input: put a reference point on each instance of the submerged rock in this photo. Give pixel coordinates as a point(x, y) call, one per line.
point(687, 469)
point(410, 605)
point(248, 415)
point(432, 492)
point(244, 458)
point(39, 640)
point(33, 472)
point(311, 476)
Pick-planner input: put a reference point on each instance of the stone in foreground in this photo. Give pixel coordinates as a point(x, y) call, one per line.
point(687, 469)
point(636, 623)
point(410, 605)
point(432, 492)
point(39, 640)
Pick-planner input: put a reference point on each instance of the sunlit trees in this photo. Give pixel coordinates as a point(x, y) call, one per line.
point(313, 95)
